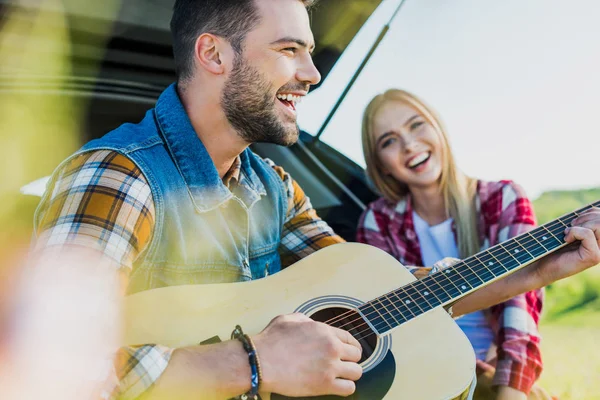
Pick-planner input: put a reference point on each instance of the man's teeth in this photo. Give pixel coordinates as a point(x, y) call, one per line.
point(290, 97)
point(418, 159)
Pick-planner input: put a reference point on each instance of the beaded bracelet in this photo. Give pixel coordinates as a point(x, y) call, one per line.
point(255, 370)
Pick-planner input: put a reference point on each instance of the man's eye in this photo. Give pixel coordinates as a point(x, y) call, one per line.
point(291, 49)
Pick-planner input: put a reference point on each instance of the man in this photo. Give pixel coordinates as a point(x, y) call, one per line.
point(179, 198)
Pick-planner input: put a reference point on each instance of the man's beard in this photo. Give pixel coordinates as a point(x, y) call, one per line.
point(249, 105)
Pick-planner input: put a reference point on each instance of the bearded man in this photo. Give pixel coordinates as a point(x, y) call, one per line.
point(179, 198)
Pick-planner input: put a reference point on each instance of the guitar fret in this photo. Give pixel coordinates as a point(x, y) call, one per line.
point(517, 251)
point(436, 287)
point(457, 279)
point(545, 238)
point(554, 231)
point(583, 209)
point(373, 316)
point(469, 274)
point(540, 247)
point(382, 301)
point(504, 257)
point(451, 289)
point(427, 293)
point(417, 299)
point(534, 247)
point(485, 270)
point(567, 219)
point(513, 256)
point(389, 299)
point(402, 305)
point(491, 263)
point(497, 262)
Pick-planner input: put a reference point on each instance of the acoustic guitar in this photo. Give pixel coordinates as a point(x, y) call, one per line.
point(412, 348)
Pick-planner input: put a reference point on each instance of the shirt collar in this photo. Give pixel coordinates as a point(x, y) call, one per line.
point(232, 176)
point(206, 188)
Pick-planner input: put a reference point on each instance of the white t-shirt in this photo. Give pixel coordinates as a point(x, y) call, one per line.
point(438, 242)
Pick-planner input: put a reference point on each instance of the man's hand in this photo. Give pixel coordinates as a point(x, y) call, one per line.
point(301, 357)
point(584, 251)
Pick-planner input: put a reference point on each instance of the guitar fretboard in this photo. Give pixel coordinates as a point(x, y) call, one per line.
point(445, 287)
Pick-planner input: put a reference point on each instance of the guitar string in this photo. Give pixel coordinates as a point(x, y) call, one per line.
point(385, 322)
point(531, 234)
point(526, 239)
point(368, 328)
point(507, 256)
point(528, 236)
point(355, 311)
point(415, 312)
point(342, 316)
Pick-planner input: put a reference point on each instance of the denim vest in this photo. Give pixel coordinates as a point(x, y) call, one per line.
point(204, 232)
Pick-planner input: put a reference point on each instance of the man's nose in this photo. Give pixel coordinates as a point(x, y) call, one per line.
point(308, 72)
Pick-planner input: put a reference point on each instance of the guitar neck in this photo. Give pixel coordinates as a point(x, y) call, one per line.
point(446, 287)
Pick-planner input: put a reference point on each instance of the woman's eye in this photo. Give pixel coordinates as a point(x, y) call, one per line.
point(387, 142)
point(415, 125)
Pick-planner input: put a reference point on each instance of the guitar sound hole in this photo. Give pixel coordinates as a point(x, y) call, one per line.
point(351, 321)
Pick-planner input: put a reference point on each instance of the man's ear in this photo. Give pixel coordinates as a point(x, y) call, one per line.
point(209, 53)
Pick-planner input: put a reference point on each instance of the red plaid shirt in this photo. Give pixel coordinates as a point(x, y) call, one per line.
point(504, 212)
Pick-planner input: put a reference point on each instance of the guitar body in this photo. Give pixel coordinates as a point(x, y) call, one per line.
point(426, 358)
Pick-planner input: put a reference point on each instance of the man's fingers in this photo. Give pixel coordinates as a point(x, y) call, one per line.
point(593, 226)
point(589, 248)
point(343, 387)
point(350, 370)
point(346, 337)
point(350, 353)
point(593, 214)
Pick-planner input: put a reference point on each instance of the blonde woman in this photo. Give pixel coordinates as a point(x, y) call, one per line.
point(429, 210)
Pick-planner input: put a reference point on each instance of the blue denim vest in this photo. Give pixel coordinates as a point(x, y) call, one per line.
point(204, 232)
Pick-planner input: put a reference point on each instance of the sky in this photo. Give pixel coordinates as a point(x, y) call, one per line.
point(516, 82)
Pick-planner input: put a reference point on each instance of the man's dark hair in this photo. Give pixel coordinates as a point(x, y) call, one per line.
point(230, 19)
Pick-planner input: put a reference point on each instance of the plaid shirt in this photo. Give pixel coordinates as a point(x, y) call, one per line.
point(102, 201)
point(504, 212)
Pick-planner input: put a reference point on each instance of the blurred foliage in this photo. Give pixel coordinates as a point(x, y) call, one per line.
point(553, 204)
point(38, 127)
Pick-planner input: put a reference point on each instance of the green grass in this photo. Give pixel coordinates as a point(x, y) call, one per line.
point(570, 295)
point(571, 354)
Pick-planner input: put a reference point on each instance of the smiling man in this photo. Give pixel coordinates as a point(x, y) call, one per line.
point(179, 198)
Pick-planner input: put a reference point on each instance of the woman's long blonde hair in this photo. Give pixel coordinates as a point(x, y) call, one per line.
point(457, 188)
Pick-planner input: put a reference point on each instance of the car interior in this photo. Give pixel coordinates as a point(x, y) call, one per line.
point(121, 62)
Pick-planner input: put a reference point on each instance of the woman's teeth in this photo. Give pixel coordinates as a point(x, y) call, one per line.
point(418, 160)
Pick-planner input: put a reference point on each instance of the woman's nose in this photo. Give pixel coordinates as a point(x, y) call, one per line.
point(408, 143)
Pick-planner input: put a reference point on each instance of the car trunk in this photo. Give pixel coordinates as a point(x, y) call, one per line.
point(119, 59)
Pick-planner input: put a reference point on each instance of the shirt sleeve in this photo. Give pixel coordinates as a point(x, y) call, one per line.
point(101, 201)
point(303, 231)
point(516, 321)
point(372, 229)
